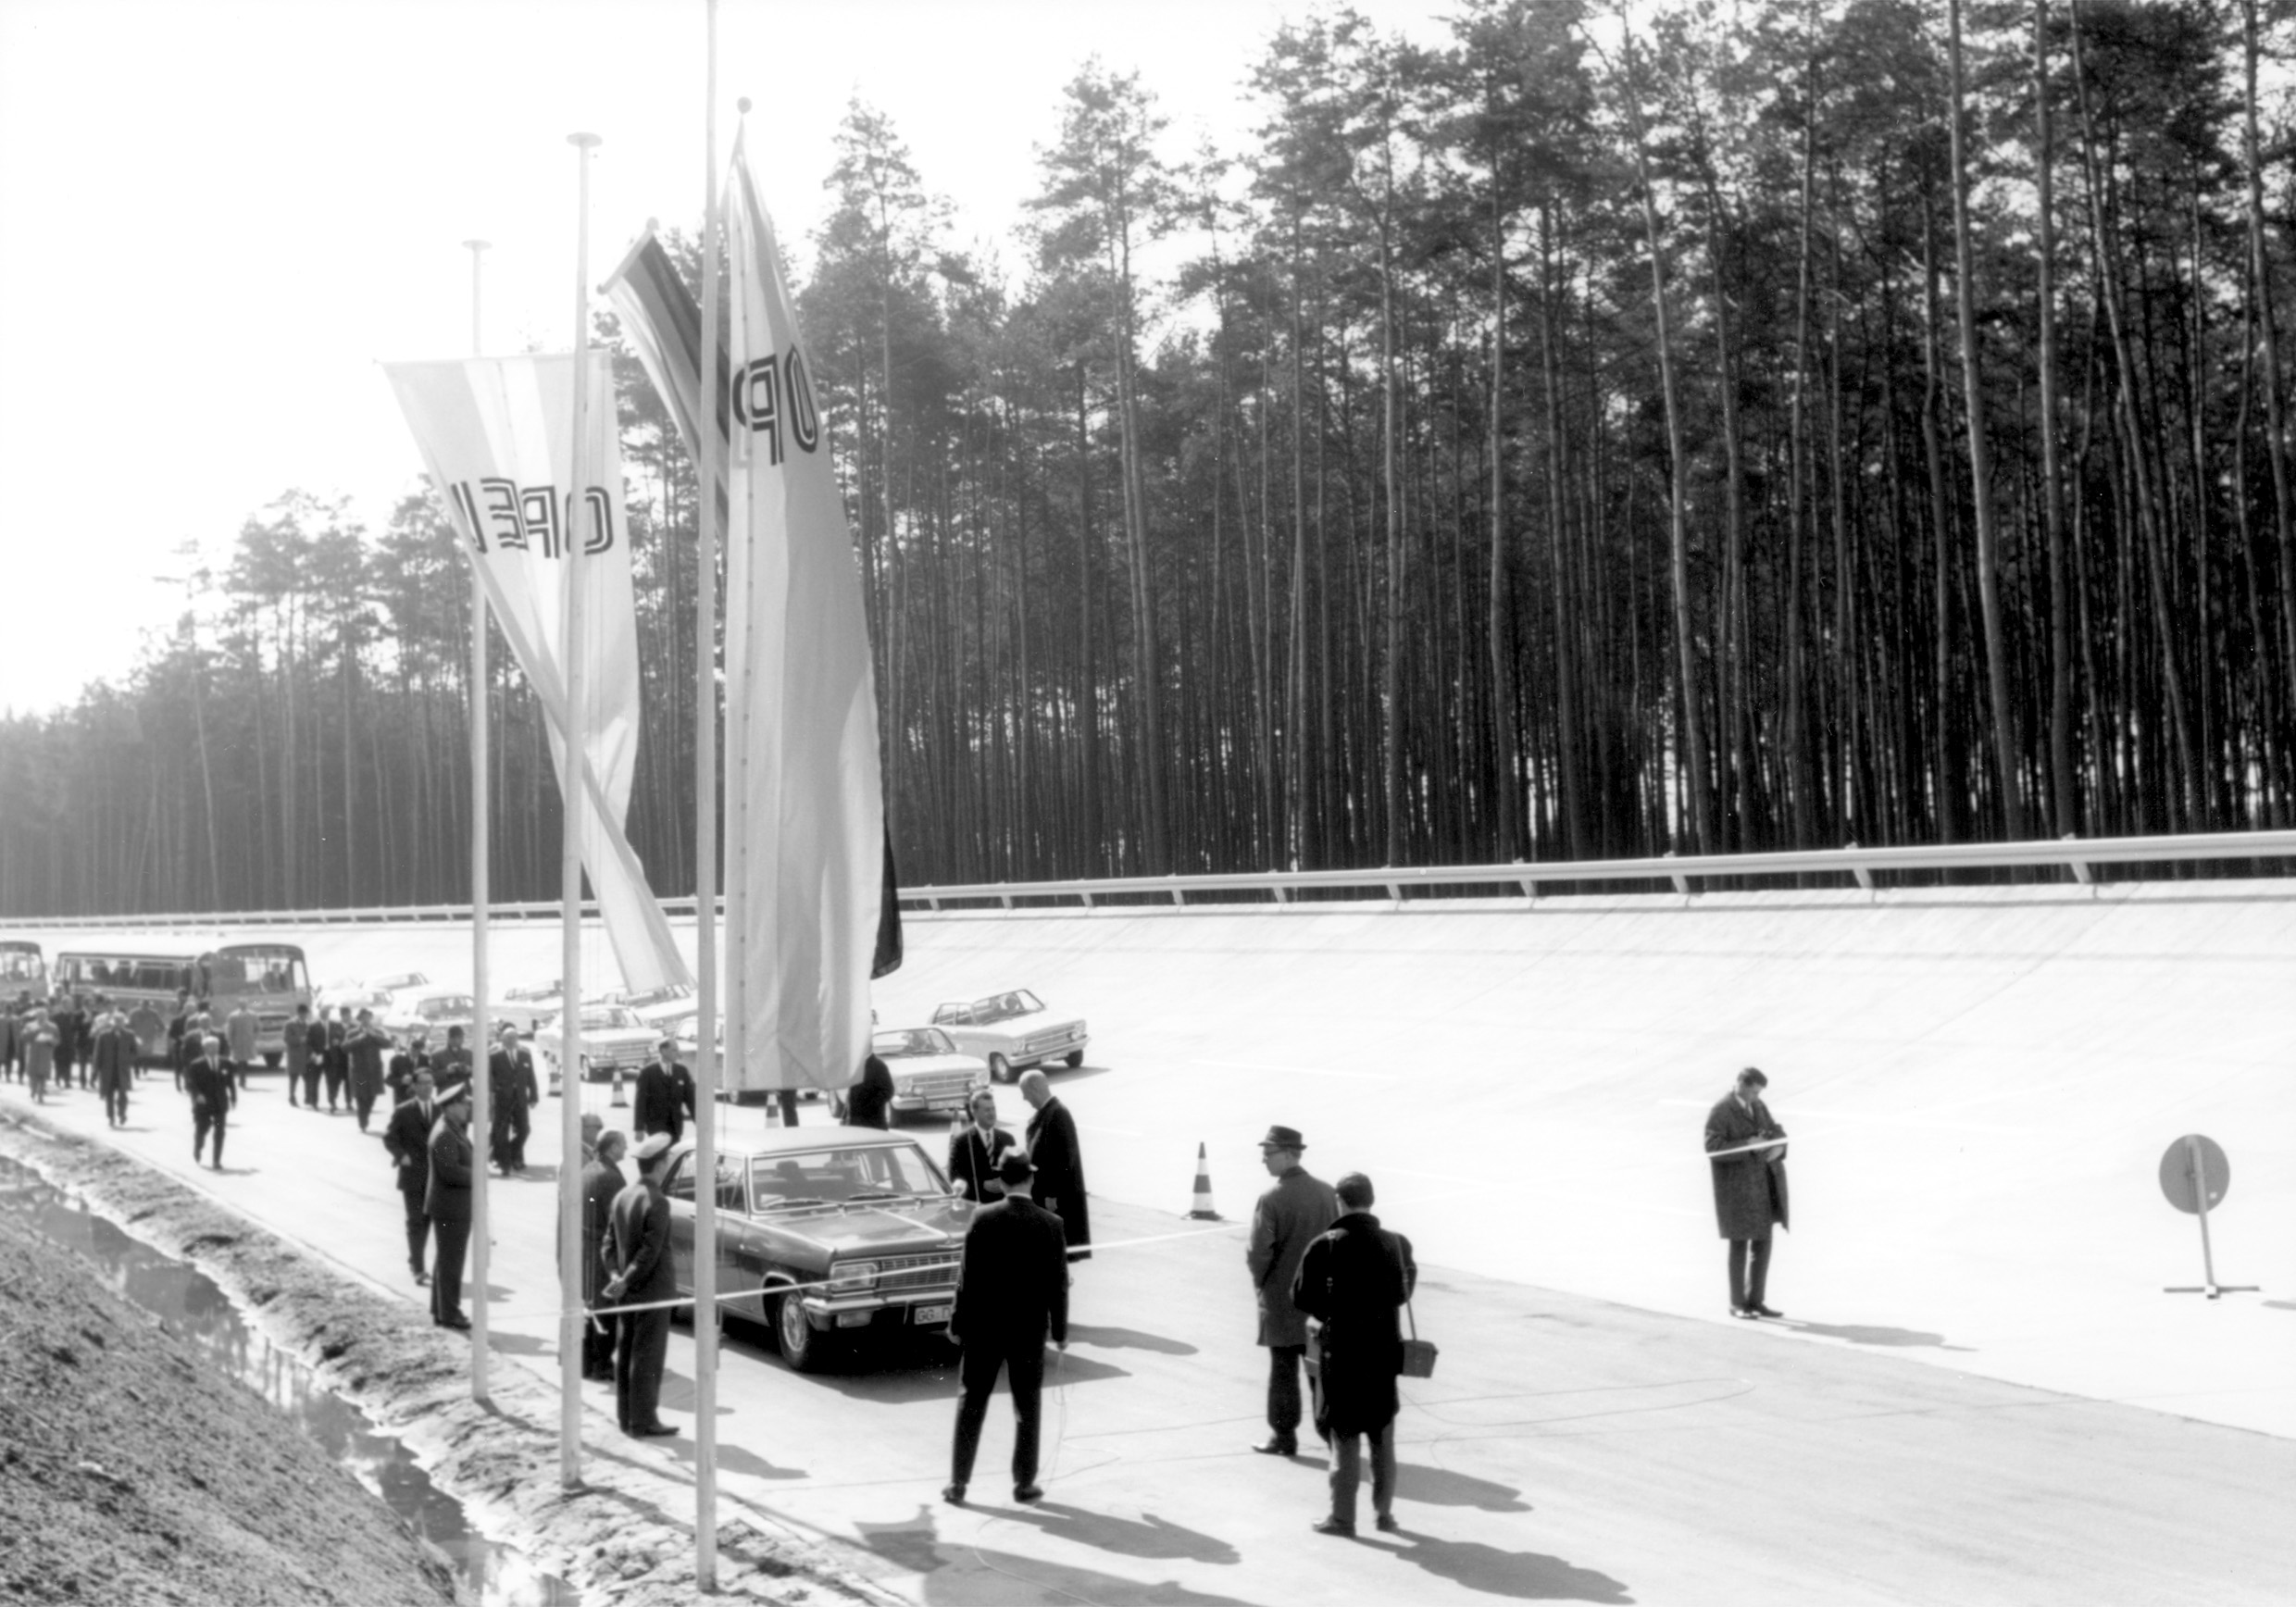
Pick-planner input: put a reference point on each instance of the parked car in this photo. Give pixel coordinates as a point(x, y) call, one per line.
point(654, 1006)
point(863, 1220)
point(398, 983)
point(931, 1074)
point(612, 1037)
point(358, 996)
point(527, 1008)
point(1013, 1031)
point(431, 1012)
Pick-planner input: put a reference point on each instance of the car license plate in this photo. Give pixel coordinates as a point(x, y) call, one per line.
point(945, 1104)
point(932, 1314)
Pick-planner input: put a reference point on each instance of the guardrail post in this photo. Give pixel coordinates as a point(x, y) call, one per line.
point(1395, 893)
point(1283, 893)
point(1008, 900)
point(1865, 876)
point(1086, 895)
point(1530, 888)
point(1179, 897)
point(1681, 882)
point(2078, 866)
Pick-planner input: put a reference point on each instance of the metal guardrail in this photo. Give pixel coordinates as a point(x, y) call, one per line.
point(2077, 857)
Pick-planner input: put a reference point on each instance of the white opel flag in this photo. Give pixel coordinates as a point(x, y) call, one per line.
point(804, 803)
point(495, 434)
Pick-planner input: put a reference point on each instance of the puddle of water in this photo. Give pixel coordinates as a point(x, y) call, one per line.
point(191, 1304)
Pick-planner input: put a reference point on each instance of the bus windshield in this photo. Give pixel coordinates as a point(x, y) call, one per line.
point(20, 966)
point(258, 968)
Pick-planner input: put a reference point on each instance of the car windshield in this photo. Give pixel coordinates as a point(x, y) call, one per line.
point(1005, 1006)
point(446, 1005)
point(912, 1041)
point(833, 1176)
point(403, 979)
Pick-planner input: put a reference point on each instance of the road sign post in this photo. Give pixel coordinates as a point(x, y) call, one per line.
point(2195, 1174)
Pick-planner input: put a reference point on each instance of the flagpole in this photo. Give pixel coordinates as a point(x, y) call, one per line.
point(709, 390)
point(576, 730)
point(481, 879)
point(734, 784)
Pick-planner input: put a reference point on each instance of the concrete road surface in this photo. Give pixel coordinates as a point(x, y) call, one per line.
point(1568, 1449)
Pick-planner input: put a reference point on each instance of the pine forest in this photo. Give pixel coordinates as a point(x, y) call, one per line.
point(1691, 428)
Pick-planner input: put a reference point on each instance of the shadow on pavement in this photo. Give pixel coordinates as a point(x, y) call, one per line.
point(734, 1459)
point(1861, 1335)
point(1520, 1576)
point(896, 1373)
point(1127, 1339)
point(1440, 1487)
point(1149, 1535)
point(678, 1392)
point(959, 1573)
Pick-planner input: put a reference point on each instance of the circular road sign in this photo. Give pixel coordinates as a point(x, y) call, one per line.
point(2177, 1173)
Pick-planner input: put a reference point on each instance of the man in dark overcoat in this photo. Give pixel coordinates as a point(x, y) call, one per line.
point(337, 1058)
point(295, 1052)
point(114, 1065)
point(1748, 1188)
point(8, 1041)
point(208, 1079)
point(511, 1093)
point(364, 1045)
point(602, 1182)
point(65, 1016)
point(665, 1096)
point(638, 1259)
point(869, 1104)
point(407, 1136)
point(1353, 1281)
point(1059, 1163)
point(1284, 1222)
point(1012, 1289)
point(447, 1202)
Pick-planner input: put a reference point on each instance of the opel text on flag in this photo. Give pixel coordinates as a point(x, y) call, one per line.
point(804, 799)
point(663, 321)
point(495, 433)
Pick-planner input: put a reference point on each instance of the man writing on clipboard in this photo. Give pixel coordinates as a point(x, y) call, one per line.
point(1749, 1186)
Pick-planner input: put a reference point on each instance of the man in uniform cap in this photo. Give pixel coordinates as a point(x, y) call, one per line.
point(1011, 1288)
point(1285, 1222)
point(638, 1256)
point(446, 1201)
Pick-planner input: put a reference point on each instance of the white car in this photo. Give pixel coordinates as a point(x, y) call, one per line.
point(1013, 1031)
point(656, 1006)
point(429, 1012)
point(356, 996)
point(931, 1074)
point(527, 1008)
point(613, 1038)
point(399, 982)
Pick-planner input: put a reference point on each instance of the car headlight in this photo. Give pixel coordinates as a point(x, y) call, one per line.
point(908, 1087)
point(847, 1277)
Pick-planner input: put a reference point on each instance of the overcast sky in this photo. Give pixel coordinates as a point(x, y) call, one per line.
point(218, 216)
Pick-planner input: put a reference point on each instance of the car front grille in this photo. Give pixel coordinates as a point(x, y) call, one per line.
point(938, 1084)
point(897, 1272)
point(1042, 1041)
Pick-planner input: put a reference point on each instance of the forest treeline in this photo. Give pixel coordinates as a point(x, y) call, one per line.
point(1740, 428)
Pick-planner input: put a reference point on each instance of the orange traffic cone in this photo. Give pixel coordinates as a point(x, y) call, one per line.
point(620, 1100)
point(1201, 1206)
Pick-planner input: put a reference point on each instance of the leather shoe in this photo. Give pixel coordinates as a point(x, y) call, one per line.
point(954, 1494)
point(460, 1324)
point(1334, 1526)
point(1027, 1492)
point(1763, 1310)
point(1387, 1523)
point(651, 1431)
point(1278, 1446)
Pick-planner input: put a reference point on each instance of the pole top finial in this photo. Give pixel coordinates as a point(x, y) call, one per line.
point(742, 105)
point(478, 245)
point(586, 141)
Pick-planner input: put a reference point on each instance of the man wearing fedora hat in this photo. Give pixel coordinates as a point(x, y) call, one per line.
point(1287, 1220)
point(638, 1258)
point(446, 1201)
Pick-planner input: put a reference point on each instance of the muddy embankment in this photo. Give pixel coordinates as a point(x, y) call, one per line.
point(179, 1476)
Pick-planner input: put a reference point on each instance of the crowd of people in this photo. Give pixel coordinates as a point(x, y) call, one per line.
point(1329, 1281)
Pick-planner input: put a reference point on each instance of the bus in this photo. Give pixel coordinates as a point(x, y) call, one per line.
point(22, 971)
point(143, 976)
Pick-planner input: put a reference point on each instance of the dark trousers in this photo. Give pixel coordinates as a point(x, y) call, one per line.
point(311, 1070)
point(598, 1347)
point(1023, 1364)
point(1347, 1471)
point(1746, 1286)
point(509, 1138)
point(204, 1121)
point(238, 1069)
point(336, 1076)
point(115, 1100)
point(363, 1102)
point(644, 1346)
point(418, 1227)
point(453, 1238)
point(1284, 1363)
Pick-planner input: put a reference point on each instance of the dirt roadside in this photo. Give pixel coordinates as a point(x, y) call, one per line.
point(626, 1537)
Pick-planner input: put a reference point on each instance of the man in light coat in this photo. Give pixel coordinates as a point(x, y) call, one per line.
point(239, 1034)
point(1748, 1188)
point(1284, 1222)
